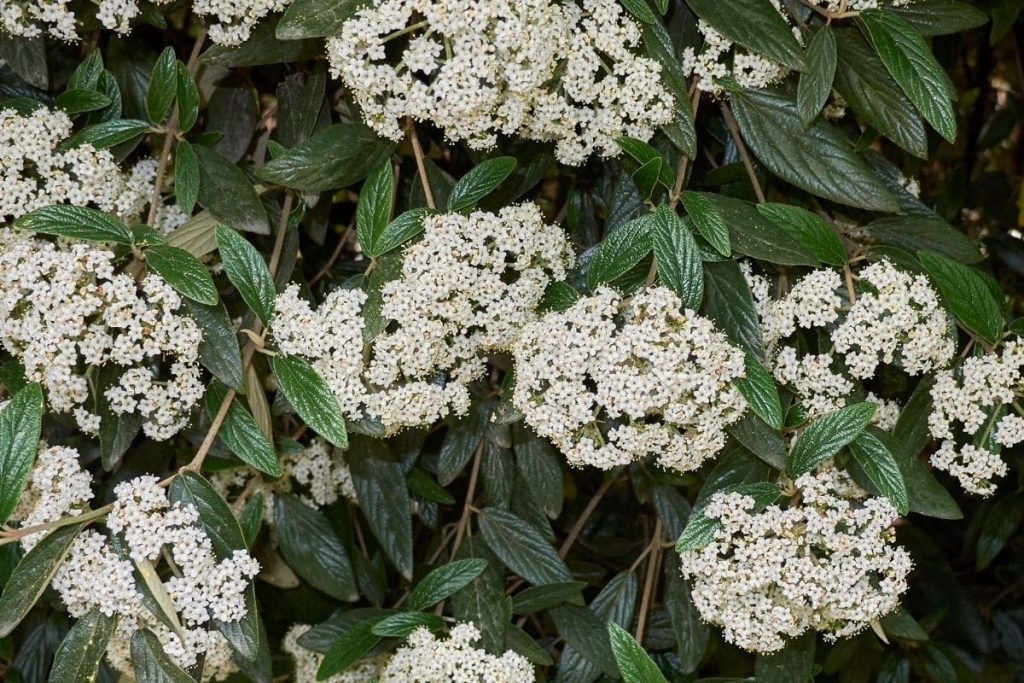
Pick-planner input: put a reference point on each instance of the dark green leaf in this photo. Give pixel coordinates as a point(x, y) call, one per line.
point(794, 663)
point(337, 156)
point(20, 425)
point(78, 657)
point(312, 399)
point(241, 433)
point(910, 61)
point(880, 466)
point(643, 153)
point(709, 221)
point(757, 437)
point(107, 133)
point(315, 18)
point(635, 665)
point(263, 47)
point(646, 177)
point(701, 529)
point(218, 352)
point(824, 437)
point(920, 232)
point(539, 463)
point(998, 526)
point(186, 177)
point(379, 480)
point(522, 548)
point(587, 634)
point(809, 229)
point(815, 84)
point(640, 10)
point(247, 271)
point(729, 303)
point(754, 24)
point(163, 85)
point(659, 46)
point(754, 235)
point(184, 272)
point(421, 484)
point(678, 257)
point(86, 75)
point(373, 212)
point(227, 194)
point(481, 180)
point(33, 574)
point(816, 159)
point(399, 231)
point(538, 598)
point(79, 222)
point(692, 634)
point(443, 582)
point(351, 646)
point(402, 624)
point(79, 101)
point(151, 664)
point(311, 548)
point(188, 99)
point(621, 250)
point(940, 17)
point(967, 293)
point(760, 392)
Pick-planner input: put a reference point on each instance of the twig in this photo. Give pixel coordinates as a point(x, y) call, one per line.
point(585, 515)
point(410, 130)
point(652, 570)
point(677, 188)
point(334, 256)
point(467, 506)
point(734, 130)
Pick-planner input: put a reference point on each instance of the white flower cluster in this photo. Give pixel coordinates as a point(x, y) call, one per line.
point(427, 659)
point(712, 62)
point(660, 377)
point(57, 487)
point(230, 21)
point(560, 72)
point(63, 310)
point(467, 287)
point(829, 564)
point(962, 401)
point(897, 319)
point(307, 662)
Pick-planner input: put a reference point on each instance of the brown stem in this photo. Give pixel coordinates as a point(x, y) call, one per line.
point(652, 571)
point(334, 256)
point(677, 188)
point(467, 506)
point(734, 131)
point(417, 150)
point(585, 515)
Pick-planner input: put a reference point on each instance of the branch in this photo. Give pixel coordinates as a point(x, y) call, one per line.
point(734, 130)
point(410, 131)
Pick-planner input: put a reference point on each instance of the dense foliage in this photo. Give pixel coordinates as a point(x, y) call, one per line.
point(480, 340)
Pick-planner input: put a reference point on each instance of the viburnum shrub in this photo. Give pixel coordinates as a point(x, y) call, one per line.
point(492, 341)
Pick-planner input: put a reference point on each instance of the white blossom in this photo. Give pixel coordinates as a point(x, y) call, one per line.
point(828, 564)
point(307, 662)
point(425, 658)
point(32, 18)
point(658, 376)
point(973, 466)
point(58, 487)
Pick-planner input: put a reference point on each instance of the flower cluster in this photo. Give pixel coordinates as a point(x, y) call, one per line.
point(896, 319)
point(660, 377)
point(307, 662)
point(467, 287)
point(560, 72)
point(428, 659)
point(963, 401)
point(829, 563)
point(32, 18)
point(63, 310)
point(57, 487)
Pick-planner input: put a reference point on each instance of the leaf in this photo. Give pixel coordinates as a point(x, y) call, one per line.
point(263, 47)
point(967, 293)
point(643, 153)
point(708, 220)
point(640, 10)
point(910, 61)
point(619, 251)
point(538, 598)
point(310, 547)
point(379, 479)
point(443, 582)
point(658, 44)
point(880, 466)
point(522, 548)
point(691, 633)
point(940, 17)
point(186, 177)
point(373, 212)
point(187, 93)
point(20, 425)
point(221, 525)
point(816, 159)
point(729, 303)
point(864, 82)
point(337, 156)
point(635, 665)
point(396, 233)
point(646, 177)
point(760, 392)
point(184, 272)
point(479, 182)
point(151, 664)
point(763, 441)
point(227, 193)
point(402, 624)
point(919, 232)
point(241, 433)
point(824, 437)
point(587, 634)
point(163, 86)
point(218, 351)
point(78, 222)
point(421, 484)
point(247, 271)
point(678, 257)
point(754, 24)
point(815, 84)
point(78, 657)
point(315, 18)
point(107, 134)
point(754, 235)
point(33, 574)
point(483, 601)
point(794, 663)
point(348, 648)
point(998, 526)
point(539, 463)
point(809, 229)
point(80, 101)
point(312, 399)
